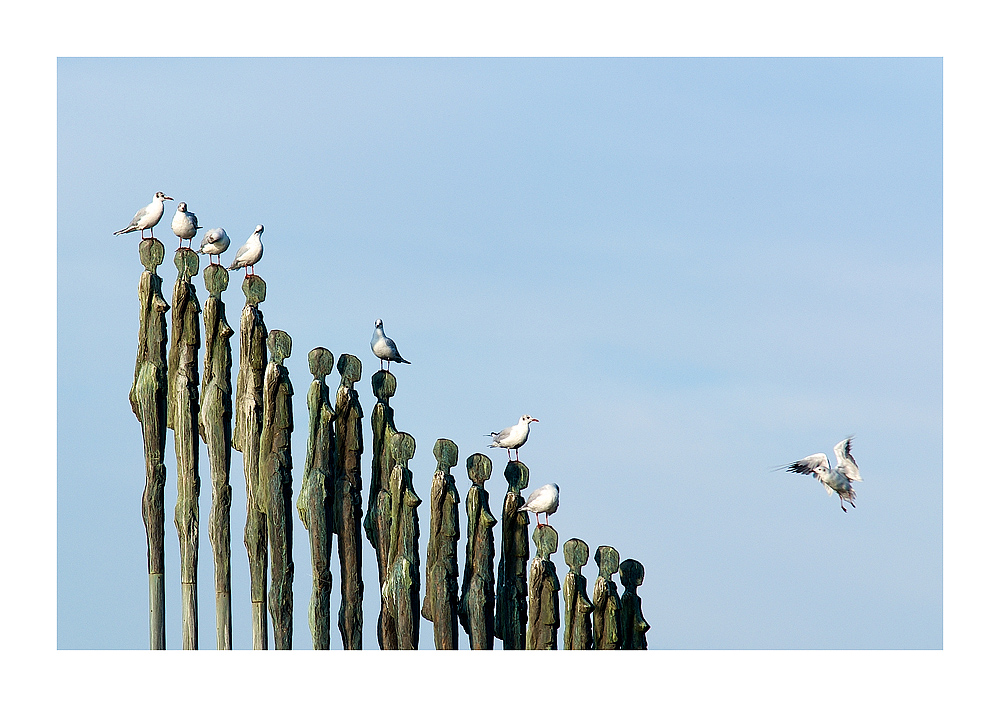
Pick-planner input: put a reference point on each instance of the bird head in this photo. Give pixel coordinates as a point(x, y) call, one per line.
point(259, 231)
point(378, 323)
point(161, 196)
point(527, 418)
point(182, 207)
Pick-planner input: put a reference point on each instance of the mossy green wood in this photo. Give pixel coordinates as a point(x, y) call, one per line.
point(578, 632)
point(215, 423)
point(477, 601)
point(347, 500)
point(609, 630)
point(276, 484)
point(441, 597)
point(512, 573)
point(543, 592)
point(182, 418)
point(246, 438)
point(401, 589)
point(148, 398)
point(632, 574)
point(315, 502)
point(377, 518)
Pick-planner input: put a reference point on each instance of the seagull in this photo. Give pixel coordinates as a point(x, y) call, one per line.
point(384, 347)
point(838, 479)
point(185, 223)
point(250, 252)
point(542, 500)
point(215, 242)
point(513, 437)
point(146, 217)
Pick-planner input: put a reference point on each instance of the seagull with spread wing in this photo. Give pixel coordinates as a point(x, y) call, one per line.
point(837, 479)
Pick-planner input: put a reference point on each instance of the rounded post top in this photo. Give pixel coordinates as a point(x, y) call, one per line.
point(632, 573)
point(280, 345)
point(255, 289)
point(383, 385)
point(186, 261)
point(576, 553)
point(606, 558)
point(216, 279)
point(446, 452)
point(546, 540)
point(150, 253)
point(349, 367)
point(402, 446)
point(320, 362)
point(479, 467)
point(516, 474)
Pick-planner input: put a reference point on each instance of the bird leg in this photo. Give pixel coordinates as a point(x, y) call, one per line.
point(537, 522)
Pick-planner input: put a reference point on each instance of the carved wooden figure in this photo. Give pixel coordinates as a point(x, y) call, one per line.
point(476, 604)
point(249, 413)
point(347, 500)
point(578, 633)
point(512, 573)
point(608, 628)
point(215, 422)
point(182, 418)
point(315, 502)
point(543, 592)
point(276, 483)
point(377, 518)
point(632, 573)
point(148, 398)
point(441, 598)
point(401, 590)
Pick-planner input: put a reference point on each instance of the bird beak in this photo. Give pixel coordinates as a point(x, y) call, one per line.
point(534, 420)
point(169, 197)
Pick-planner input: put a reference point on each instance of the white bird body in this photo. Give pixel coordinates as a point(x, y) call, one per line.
point(513, 437)
point(384, 347)
point(146, 217)
point(215, 242)
point(250, 252)
point(542, 500)
point(185, 223)
point(836, 479)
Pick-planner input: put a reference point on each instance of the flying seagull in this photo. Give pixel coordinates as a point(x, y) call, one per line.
point(542, 500)
point(215, 242)
point(185, 223)
point(146, 217)
point(513, 437)
point(384, 347)
point(838, 479)
point(250, 252)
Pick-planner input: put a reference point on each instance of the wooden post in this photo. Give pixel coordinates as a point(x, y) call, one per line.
point(215, 424)
point(182, 418)
point(377, 519)
point(315, 502)
point(578, 631)
point(246, 438)
point(148, 398)
point(276, 483)
point(543, 592)
point(608, 628)
point(632, 574)
point(347, 500)
point(401, 590)
point(512, 574)
point(476, 604)
point(441, 599)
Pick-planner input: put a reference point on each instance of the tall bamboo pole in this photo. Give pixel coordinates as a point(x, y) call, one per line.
point(512, 573)
point(477, 601)
point(441, 599)
point(401, 591)
point(347, 500)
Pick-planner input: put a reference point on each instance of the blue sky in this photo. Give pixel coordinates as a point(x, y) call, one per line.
point(690, 270)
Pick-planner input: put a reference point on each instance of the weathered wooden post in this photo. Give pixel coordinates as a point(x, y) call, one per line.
point(543, 592)
point(608, 628)
point(315, 502)
point(512, 575)
point(632, 574)
point(182, 418)
point(276, 483)
point(401, 591)
point(246, 438)
point(578, 632)
point(379, 512)
point(347, 500)
point(441, 598)
point(148, 398)
point(215, 424)
point(476, 604)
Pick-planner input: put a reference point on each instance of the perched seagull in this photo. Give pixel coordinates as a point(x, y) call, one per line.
point(542, 500)
point(250, 252)
point(513, 437)
point(147, 217)
point(215, 242)
point(384, 347)
point(838, 479)
point(185, 223)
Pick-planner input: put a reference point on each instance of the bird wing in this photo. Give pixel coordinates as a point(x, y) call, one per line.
point(845, 461)
point(810, 464)
point(532, 497)
point(502, 435)
point(244, 249)
point(212, 236)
